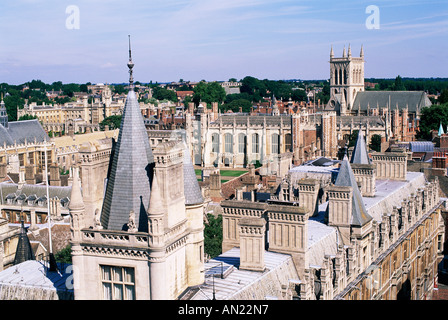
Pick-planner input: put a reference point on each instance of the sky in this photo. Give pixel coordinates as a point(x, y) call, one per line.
point(216, 40)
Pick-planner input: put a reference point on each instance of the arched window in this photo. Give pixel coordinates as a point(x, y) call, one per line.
point(288, 142)
point(345, 76)
point(215, 142)
point(242, 143)
point(228, 143)
point(340, 76)
point(336, 76)
point(255, 146)
point(275, 143)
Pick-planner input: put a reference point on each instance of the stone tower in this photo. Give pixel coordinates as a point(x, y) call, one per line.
point(147, 242)
point(346, 79)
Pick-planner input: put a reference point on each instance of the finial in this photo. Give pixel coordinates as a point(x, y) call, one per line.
point(331, 52)
point(349, 50)
point(130, 66)
point(361, 54)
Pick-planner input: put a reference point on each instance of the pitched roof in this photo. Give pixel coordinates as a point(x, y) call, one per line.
point(128, 186)
point(347, 178)
point(19, 131)
point(360, 155)
point(410, 99)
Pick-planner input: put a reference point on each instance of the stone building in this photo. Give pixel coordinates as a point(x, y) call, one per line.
point(146, 242)
point(325, 238)
point(236, 140)
point(390, 114)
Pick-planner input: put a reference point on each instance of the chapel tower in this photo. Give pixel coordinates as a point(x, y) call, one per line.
point(346, 78)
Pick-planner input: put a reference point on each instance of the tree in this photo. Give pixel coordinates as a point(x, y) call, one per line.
point(27, 117)
point(208, 93)
point(64, 255)
point(164, 94)
point(443, 98)
point(398, 85)
point(213, 235)
point(113, 122)
point(431, 118)
point(375, 143)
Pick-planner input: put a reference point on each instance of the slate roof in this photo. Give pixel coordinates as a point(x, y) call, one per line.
point(19, 131)
point(410, 99)
point(347, 178)
point(192, 191)
point(131, 170)
point(360, 155)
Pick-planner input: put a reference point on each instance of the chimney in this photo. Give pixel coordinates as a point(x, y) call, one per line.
point(30, 177)
point(252, 243)
point(55, 179)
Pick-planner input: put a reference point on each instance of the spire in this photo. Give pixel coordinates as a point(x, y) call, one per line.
point(361, 54)
point(331, 52)
point(24, 252)
point(441, 129)
point(346, 178)
point(344, 54)
point(130, 171)
point(130, 66)
point(349, 51)
point(360, 155)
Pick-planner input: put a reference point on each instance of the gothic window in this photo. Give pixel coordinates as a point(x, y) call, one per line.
point(275, 143)
point(118, 283)
point(228, 140)
point(288, 142)
point(242, 143)
point(340, 76)
point(345, 76)
point(255, 145)
point(215, 142)
point(335, 76)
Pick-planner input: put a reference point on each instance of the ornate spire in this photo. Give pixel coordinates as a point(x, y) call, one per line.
point(130, 66)
point(344, 53)
point(349, 50)
point(362, 52)
point(331, 52)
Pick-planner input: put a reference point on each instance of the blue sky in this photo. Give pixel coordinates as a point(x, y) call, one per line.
point(217, 40)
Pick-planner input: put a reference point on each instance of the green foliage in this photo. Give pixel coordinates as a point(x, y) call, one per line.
point(431, 118)
point(235, 105)
point(375, 142)
point(213, 235)
point(352, 138)
point(113, 122)
point(208, 93)
point(443, 98)
point(398, 84)
point(65, 255)
point(27, 117)
point(160, 93)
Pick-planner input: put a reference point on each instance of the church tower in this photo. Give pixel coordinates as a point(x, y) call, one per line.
point(346, 79)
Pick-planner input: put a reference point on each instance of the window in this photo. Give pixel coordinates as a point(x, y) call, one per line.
point(275, 146)
point(288, 142)
point(228, 140)
point(118, 283)
point(215, 142)
point(255, 146)
point(242, 143)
